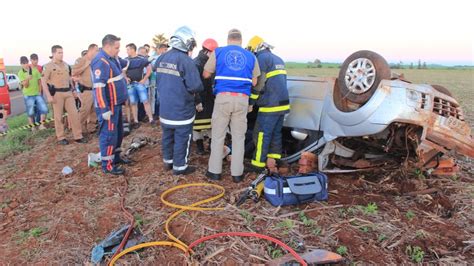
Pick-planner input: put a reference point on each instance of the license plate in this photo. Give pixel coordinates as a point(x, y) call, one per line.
point(457, 125)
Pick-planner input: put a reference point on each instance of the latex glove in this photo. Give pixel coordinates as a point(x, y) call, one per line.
point(107, 115)
point(250, 108)
point(199, 107)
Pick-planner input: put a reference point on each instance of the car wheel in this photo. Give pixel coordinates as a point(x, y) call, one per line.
point(360, 75)
point(442, 90)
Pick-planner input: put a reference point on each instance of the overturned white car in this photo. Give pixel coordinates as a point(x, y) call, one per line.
point(366, 118)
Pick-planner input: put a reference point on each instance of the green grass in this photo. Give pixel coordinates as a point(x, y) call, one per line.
point(23, 140)
point(342, 250)
point(13, 69)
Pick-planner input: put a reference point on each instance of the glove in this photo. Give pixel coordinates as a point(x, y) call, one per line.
point(107, 115)
point(199, 107)
point(250, 108)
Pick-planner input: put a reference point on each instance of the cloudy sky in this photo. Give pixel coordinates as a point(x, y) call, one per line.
point(403, 30)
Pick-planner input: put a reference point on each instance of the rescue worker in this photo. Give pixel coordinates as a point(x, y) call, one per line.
point(81, 73)
point(204, 99)
point(271, 96)
point(177, 81)
point(236, 70)
point(60, 93)
point(110, 93)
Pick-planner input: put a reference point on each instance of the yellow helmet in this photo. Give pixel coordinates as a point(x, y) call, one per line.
point(254, 43)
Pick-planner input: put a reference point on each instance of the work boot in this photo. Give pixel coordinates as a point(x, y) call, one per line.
point(81, 140)
point(122, 160)
point(115, 171)
point(135, 125)
point(63, 142)
point(213, 176)
point(237, 179)
point(168, 166)
point(154, 123)
point(200, 147)
point(187, 171)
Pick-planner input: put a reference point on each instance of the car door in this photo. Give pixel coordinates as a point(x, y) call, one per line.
point(13, 82)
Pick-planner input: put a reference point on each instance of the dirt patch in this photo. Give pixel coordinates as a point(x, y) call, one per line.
point(47, 218)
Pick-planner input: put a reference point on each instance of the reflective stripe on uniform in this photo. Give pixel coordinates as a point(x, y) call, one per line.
point(254, 96)
point(272, 191)
point(98, 85)
point(202, 121)
point(258, 164)
point(258, 154)
point(116, 78)
point(274, 155)
point(176, 122)
point(168, 71)
point(168, 161)
point(275, 72)
point(200, 124)
point(180, 168)
point(233, 78)
point(274, 109)
point(202, 127)
point(107, 158)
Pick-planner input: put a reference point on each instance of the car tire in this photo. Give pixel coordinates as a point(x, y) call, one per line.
point(442, 89)
point(360, 75)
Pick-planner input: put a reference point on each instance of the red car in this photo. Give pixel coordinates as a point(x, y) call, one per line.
point(4, 95)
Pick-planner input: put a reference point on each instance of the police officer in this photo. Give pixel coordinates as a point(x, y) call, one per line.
point(110, 93)
point(236, 70)
point(271, 95)
point(81, 73)
point(177, 81)
point(204, 99)
point(58, 75)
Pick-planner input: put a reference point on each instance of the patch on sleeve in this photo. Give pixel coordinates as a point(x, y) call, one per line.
point(97, 73)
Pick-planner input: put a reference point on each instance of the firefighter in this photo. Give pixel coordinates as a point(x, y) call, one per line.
point(204, 99)
point(271, 96)
point(178, 80)
point(110, 93)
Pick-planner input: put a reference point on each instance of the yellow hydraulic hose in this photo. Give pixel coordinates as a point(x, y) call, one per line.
point(192, 207)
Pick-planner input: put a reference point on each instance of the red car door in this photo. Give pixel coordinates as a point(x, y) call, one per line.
point(4, 94)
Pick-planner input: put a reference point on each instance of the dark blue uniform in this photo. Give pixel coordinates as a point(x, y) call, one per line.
point(177, 81)
point(273, 103)
point(110, 93)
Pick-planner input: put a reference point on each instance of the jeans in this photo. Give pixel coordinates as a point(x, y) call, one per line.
point(35, 101)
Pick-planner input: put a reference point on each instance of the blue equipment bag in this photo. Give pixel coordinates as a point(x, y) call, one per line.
point(292, 190)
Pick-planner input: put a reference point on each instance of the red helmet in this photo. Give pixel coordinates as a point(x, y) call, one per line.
point(210, 44)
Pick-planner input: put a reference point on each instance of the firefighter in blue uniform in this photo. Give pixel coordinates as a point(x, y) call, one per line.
point(177, 81)
point(271, 96)
point(204, 99)
point(110, 93)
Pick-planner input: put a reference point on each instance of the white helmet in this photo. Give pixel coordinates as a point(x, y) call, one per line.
point(183, 39)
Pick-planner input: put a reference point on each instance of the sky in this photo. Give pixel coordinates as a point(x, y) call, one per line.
point(435, 32)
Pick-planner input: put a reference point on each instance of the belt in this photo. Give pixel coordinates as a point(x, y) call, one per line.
point(62, 89)
point(234, 94)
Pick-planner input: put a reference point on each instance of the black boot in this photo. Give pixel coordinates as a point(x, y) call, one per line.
point(200, 147)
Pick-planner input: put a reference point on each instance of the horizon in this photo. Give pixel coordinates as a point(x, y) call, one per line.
point(301, 32)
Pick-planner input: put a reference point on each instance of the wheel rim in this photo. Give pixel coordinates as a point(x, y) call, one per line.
point(360, 75)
